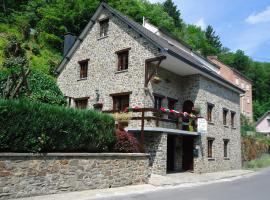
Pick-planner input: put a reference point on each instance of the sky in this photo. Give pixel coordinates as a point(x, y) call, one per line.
point(241, 24)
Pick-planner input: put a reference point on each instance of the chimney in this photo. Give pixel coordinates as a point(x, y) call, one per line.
point(69, 40)
point(212, 57)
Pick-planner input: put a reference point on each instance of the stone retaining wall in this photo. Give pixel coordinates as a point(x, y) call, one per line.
point(25, 174)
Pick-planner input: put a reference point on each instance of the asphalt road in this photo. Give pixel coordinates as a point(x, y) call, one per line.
point(256, 187)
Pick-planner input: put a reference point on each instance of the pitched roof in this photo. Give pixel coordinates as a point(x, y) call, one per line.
point(259, 120)
point(159, 42)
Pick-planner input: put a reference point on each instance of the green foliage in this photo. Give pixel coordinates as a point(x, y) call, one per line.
point(36, 127)
point(213, 42)
point(173, 12)
point(264, 161)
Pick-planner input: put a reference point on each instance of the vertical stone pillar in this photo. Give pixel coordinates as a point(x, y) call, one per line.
point(156, 146)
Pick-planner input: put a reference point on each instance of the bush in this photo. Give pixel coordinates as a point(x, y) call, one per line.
point(264, 161)
point(126, 143)
point(36, 127)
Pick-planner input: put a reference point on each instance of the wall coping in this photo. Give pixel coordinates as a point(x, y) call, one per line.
point(74, 155)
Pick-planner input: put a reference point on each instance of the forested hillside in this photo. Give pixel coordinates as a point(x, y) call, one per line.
point(39, 25)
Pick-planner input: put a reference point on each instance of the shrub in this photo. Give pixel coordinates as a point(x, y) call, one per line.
point(126, 143)
point(36, 127)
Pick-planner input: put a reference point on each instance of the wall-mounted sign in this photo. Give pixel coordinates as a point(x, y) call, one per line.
point(202, 125)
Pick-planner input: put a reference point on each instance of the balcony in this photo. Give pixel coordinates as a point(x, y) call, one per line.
point(156, 119)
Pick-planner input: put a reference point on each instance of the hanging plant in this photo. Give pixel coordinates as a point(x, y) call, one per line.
point(156, 79)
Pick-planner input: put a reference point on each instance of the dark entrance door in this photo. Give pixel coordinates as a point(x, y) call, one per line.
point(170, 153)
point(188, 142)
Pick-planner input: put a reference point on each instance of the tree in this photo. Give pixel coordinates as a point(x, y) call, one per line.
point(213, 40)
point(173, 12)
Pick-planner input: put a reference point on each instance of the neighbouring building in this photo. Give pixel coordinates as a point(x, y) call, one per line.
point(240, 80)
point(118, 63)
point(263, 124)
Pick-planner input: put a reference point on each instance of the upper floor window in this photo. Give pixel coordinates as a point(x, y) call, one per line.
point(81, 103)
point(83, 68)
point(171, 103)
point(210, 142)
point(247, 87)
point(123, 59)
point(120, 101)
point(248, 101)
point(242, 85)
point(225, 113)
point(210, 112)
point(232, 119)
point(104, 27)
point(158, 101)
point(237, 81)
point(171, 106)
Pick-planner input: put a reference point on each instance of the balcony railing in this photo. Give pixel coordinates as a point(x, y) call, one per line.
point(160, 118)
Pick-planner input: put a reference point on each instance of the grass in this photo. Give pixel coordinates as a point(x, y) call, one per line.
point(264, 161)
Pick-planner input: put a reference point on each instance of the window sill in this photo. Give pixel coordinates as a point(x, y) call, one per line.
point(226, 158)
point(211, 123)
point(211, 159)
point(234, 128)
point(226, 126)
point(122, 71)
point(82, 79)
point(103, 37)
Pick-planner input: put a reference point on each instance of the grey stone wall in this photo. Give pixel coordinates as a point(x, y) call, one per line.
point(221, 97)
point(24, 175)
point(156, 146)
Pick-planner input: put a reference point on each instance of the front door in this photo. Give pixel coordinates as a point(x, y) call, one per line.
point(170, 153)
point(188, 143)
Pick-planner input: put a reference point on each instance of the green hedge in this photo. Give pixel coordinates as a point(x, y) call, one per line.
point(35, 127)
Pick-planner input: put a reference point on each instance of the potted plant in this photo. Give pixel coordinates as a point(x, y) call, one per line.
point(122, 118)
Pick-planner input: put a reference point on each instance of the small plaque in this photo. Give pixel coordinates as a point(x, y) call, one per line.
point(202, 125)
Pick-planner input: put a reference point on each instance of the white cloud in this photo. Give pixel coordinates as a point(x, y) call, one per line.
point(256, 18)
point(201, 23)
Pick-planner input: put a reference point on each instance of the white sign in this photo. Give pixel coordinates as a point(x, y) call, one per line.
point(202, 125)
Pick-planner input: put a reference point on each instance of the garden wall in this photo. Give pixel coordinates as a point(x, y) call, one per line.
point(26, 174)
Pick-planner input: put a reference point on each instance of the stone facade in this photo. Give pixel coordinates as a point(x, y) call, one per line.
point(102, 69)
point(103, 76)
point(24, 175)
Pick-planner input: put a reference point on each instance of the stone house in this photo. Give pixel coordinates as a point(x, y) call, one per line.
point(240, 80)
point(263, 124)
point(118, 63)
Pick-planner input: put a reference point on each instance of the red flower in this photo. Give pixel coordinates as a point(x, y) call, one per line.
point(171, 111)
point(126, 109)
point(162, 109)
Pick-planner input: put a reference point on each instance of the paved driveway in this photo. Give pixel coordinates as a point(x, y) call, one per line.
point(255, 187)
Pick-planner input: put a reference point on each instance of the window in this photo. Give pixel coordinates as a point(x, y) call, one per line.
point(104, 26)
point(243, 85)
point(225, 113)
point(83, 68)
point(232, 119)
point(123, 59)
point(210, 147)
point(81, 103)
point(171, 103)
point(268, 120)
point(209, 112)
point(237, 81)
point(158, 101)
point(247, 87)
point(120, 102)
point(225, 148)
point(248, 101)
point(171, 106)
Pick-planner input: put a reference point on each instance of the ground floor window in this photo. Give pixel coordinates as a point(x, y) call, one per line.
point(210, 142)
point(81, 103)
point(120, 102)
point(226, 142)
